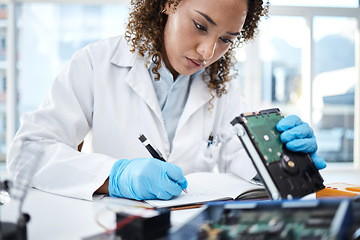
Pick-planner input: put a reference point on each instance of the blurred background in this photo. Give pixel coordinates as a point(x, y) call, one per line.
point(305, 61)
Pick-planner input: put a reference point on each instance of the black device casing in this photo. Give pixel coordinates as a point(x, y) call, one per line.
point(280, 180)
point(145, 228)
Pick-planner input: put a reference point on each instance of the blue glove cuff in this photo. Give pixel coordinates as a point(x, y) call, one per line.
point(118, 167)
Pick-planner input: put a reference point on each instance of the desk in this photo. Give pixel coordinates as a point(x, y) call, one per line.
point(61, 218)
point(57, 217)
point(340, 172)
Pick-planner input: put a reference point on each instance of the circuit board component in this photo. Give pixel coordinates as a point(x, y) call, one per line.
point(318, 221)
point(266, 137)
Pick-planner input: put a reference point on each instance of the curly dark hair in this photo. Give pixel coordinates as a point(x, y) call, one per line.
point(145, 34)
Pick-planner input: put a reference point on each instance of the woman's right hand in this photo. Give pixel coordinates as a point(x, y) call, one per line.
point(145, 178)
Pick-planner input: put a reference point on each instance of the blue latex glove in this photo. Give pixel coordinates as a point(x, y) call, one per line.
point(145, 178)
point(298, 136)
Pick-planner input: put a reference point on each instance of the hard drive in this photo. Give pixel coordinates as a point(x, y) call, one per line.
point(285, 174)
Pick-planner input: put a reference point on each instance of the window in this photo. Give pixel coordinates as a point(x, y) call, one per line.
point(308, 68)
point(3, 22)
point(281, 48)
point(334, 86)
point(49, 34)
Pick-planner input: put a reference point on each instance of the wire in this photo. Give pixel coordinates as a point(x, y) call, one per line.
point(97, 219)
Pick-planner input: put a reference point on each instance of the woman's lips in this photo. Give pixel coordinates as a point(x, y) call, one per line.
point(196, 63)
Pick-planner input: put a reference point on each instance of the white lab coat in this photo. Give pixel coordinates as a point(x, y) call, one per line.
point(105, 95)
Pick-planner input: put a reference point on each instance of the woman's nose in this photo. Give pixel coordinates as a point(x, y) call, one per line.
point(207, 48)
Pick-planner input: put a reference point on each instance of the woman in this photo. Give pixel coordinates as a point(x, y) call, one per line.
point(169, 79)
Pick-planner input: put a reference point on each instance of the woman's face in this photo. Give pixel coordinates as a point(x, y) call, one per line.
point(199, 32)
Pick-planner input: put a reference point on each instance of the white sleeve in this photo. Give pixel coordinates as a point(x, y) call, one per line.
point(54, 131)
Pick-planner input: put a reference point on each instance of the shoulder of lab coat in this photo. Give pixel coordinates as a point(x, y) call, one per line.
point(62, 121)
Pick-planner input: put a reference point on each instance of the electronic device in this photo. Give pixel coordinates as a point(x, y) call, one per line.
point(143, 224)
point(285, 174)
point(272, 220)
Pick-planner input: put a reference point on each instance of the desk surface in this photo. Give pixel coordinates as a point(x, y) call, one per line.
point(57, 217)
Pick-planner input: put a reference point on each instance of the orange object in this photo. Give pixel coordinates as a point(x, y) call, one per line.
point(339, 190)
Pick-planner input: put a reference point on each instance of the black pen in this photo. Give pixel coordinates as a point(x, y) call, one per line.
point(155, 153)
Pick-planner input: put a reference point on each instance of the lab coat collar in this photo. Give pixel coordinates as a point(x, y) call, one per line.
point(122, 56)
point(138, 77)
point(140, 80)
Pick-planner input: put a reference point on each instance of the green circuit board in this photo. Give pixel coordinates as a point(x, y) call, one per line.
point(263, 133)
point(294, 224)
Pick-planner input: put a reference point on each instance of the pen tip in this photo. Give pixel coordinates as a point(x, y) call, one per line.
point(185, 191)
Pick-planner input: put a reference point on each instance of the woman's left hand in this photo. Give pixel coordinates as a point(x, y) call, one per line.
point(298, 136)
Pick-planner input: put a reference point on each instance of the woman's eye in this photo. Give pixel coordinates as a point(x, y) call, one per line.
point(225, 40)
point(200, 27)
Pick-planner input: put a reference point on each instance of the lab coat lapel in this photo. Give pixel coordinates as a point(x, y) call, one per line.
point(140, 81)
point(198, 96)
point(138, 77)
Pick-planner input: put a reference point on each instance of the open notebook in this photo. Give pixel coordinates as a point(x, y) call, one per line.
point(206, 186)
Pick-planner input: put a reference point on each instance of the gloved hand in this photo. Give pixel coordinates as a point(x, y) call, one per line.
point(298, 136)
point(145, 178)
